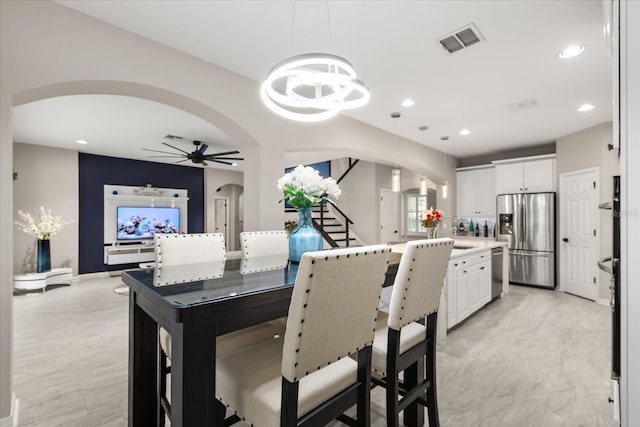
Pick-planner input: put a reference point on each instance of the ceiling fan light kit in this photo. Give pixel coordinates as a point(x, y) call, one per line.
point(313, 87)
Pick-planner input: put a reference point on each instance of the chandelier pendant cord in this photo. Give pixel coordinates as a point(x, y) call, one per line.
point(293, 24)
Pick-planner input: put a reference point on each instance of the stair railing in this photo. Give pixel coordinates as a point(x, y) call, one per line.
point(319, 225)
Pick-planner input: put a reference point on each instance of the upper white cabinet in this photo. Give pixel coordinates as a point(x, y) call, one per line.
point(476, 195)
point(525, 175)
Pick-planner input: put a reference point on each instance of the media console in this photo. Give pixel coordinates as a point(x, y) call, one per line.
point(129, 197)
point(127, 254)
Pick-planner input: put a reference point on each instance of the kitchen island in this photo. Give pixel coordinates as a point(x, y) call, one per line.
point(468, 281)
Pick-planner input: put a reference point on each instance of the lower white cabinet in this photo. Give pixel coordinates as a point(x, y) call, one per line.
point(468, 286)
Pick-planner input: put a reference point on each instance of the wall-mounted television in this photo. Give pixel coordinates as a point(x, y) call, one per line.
point(142, 222)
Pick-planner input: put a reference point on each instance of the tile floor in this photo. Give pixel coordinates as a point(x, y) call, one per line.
point(535, 358)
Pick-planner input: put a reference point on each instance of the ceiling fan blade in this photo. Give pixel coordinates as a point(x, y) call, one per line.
point(204, 163)
point(203, 148)
point(181, 161)
point(223, 158)
point(224, 153)
point(158, 151)
point(220, 161)
point(166, 157)
point(176, 148)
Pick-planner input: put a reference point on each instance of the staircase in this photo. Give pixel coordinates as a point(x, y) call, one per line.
point(333, 225)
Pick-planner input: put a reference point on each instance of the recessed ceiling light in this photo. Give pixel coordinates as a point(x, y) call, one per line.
point(444, 138)
point(586, 107)
point(408, 102)
point(234, 164)
point(464, 132)
point(571, 51)
point(81, 141)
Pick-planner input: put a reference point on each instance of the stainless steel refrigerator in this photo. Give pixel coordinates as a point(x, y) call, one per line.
point(527, 223)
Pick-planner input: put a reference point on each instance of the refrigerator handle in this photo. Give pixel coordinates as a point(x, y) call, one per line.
point(523, 215)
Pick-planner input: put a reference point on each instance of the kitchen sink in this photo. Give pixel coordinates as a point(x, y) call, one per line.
point(462, 247)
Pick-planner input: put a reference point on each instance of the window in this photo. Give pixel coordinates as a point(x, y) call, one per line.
point(414, 203)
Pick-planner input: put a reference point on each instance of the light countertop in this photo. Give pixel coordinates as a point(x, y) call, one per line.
point(471, 246)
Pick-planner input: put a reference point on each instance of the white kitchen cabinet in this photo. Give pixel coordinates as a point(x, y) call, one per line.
point(476, 194)
point(527, 175)
point(452, 313)
point(463, 293)
point(468, 285)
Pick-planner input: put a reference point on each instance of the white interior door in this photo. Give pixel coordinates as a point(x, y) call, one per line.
point(388, 216)
point(222, 215)
point(579, 233)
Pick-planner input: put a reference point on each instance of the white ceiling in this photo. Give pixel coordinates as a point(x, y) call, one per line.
point(393, 46)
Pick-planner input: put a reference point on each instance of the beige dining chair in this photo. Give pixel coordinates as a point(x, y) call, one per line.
point(183, 258)
point(263, 250)
point(403, 345)
point(308, 376)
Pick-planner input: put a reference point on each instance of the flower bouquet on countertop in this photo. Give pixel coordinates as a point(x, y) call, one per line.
point(431, 217)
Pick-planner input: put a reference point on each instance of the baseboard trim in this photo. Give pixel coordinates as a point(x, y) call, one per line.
point(99, 275)
point(603, 301)
point(12, 419)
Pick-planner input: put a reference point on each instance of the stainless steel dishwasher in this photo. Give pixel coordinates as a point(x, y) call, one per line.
point(496, 272)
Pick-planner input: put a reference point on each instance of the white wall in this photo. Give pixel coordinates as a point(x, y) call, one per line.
point(587, 149)
point(46, 177)
point(358, 200)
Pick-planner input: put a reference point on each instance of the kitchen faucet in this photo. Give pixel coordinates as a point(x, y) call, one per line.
point(453, 229)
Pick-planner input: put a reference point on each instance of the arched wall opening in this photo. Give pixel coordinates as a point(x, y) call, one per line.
point(77, 247)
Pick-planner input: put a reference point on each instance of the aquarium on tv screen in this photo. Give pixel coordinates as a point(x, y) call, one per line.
point(140, 222)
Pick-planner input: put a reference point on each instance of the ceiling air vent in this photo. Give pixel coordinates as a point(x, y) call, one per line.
point(459, 39)
point(173, 137)
point(522, 105)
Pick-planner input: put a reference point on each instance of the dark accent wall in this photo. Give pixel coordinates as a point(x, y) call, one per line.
point(96, 171)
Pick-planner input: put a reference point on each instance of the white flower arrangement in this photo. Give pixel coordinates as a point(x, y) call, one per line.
point(305, 187)
point(47, 225)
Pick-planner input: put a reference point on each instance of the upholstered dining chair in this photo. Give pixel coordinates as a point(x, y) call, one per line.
point(177, 249)
point(263, 250)
point(308, 377)
point(403, 345)
point(202, 257)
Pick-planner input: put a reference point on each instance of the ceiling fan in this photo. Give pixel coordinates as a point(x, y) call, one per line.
point(198, 155)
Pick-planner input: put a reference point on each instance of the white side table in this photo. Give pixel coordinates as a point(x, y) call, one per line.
point(31, 281)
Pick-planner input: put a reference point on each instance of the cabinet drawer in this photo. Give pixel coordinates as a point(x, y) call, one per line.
point(472, 259)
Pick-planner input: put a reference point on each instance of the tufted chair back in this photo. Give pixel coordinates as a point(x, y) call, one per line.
point(333, 307)
point(187, 257)
point(263, 250)
point(418, 283)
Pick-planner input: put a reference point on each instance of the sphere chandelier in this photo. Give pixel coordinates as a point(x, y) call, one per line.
point(313, 87)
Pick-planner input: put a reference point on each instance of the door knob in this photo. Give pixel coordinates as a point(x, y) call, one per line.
point(564, 239)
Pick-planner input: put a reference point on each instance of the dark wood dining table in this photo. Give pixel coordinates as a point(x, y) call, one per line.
point(194, 313)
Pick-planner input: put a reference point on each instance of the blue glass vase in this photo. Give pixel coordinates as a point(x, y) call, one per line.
point(305, 238)
point(44, 256)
